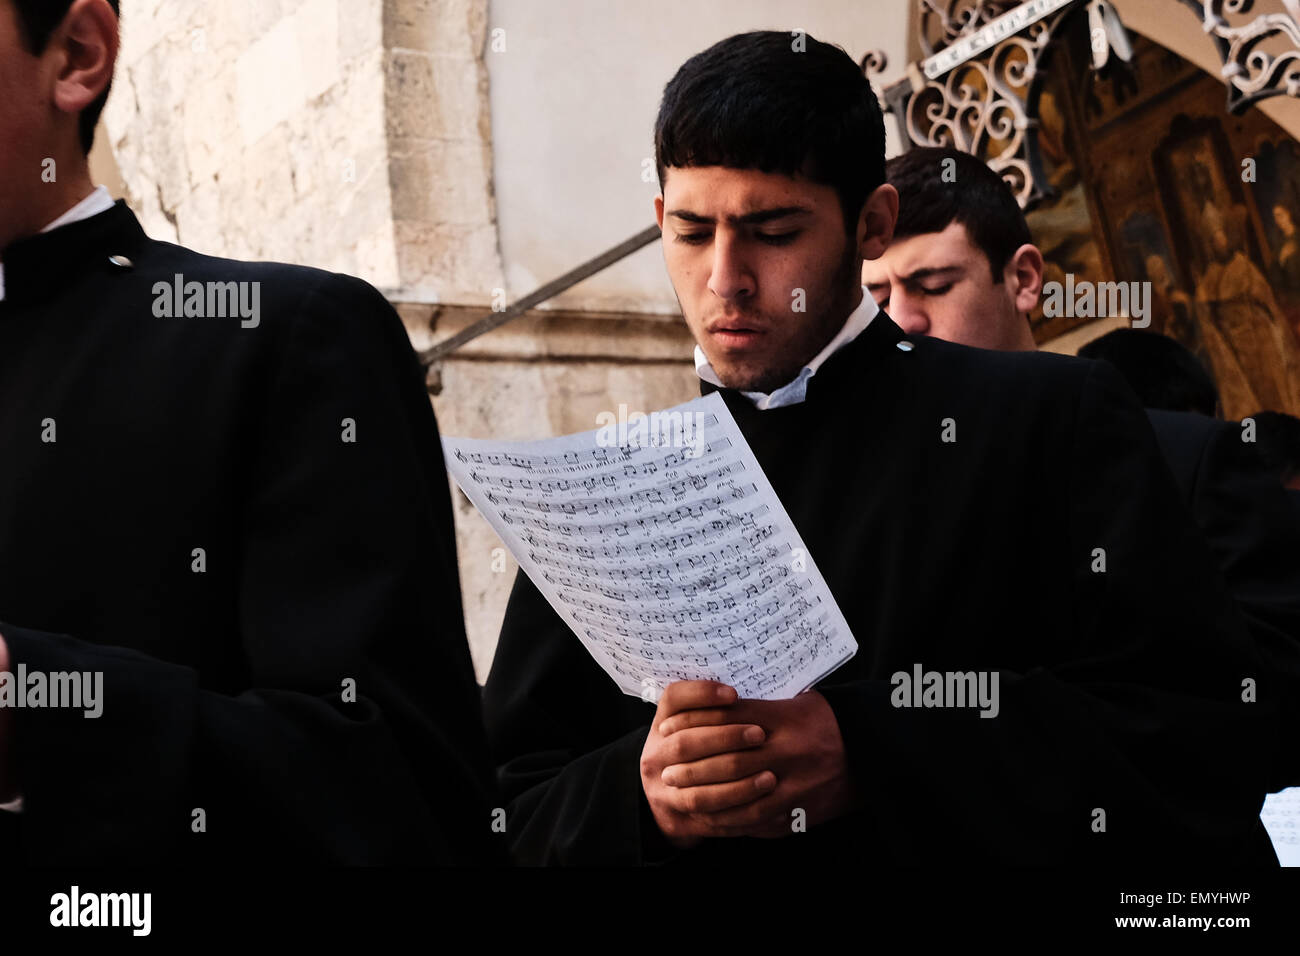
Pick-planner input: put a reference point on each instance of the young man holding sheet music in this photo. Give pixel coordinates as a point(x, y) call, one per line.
point(1003, 517)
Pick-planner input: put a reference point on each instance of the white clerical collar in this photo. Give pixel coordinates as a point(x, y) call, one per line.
point(792, 393)
point(97, 202)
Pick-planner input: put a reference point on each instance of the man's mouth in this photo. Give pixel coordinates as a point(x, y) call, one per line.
point(734, 334)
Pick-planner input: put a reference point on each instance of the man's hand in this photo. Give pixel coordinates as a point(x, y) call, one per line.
point(803, 751)
point(705, 733)
point(8, 786)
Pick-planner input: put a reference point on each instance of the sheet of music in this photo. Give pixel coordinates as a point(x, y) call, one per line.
point(1281, 816)
point(660, 542)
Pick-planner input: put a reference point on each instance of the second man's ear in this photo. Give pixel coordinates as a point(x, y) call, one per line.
point(1024, 276)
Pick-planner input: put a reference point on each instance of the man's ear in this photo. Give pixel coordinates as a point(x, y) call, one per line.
point(659, 212)
point(85, 45)
point(876, 224)
point(1024, 277)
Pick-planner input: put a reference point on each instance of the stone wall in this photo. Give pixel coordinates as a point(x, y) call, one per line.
point(348, 134)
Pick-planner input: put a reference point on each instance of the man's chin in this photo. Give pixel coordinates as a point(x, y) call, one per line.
point(748, 380)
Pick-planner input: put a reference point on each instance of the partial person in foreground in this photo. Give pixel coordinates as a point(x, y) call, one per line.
point(973, 512)
point(962, 237)
point(230, 527)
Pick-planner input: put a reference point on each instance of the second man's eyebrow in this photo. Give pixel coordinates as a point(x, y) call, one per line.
point(748, 219)
point(929, 273)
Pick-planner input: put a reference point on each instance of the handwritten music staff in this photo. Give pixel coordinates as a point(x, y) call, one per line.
point(667, 562)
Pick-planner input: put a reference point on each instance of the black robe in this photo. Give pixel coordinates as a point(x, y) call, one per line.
point(323, 562)
point(1119, 690)
point(1253, 531)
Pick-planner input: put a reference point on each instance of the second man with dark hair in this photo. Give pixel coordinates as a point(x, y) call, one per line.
point(951, 225)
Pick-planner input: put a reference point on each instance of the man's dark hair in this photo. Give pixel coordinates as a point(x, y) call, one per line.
point(37, 20)
point(1163, 373)
point(938, 186)
point(1277, 440)
point(779, 103)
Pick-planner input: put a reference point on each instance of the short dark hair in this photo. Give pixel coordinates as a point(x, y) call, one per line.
point(1277, 440)
point(38, 19)
point(933, 193)
point(780, 103)
point(1162, 372)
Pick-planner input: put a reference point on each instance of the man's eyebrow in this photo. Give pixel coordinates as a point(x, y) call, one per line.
point(930, 273)
point(748, 219)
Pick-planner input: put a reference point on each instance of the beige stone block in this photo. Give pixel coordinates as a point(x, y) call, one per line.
point(364, 207)
point(199, 220)
point(209, 125)
point(448, 27)
point(376, 258)
point(317, 24)
point(259, 17)
point(203, 44)
point(447, 263)
point(442, 182)
point(160, 163)
point(156, 223)
point(268, 179)
point(433, 97)
point(270, 83)
point(120, 111)
point(360, 28)
point(349, 124)
point(143, 24)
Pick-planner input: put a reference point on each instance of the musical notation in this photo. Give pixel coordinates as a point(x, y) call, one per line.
point(667, 563)
point(1281, 816)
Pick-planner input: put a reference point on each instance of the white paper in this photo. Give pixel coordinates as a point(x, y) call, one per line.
point(665, 550)
point(1281, 816)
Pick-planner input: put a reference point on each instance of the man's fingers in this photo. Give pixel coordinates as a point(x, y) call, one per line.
point(721, 796)
point(690, 694)
point(724, 768)
point(697, 718)
point(696, 743)
point(743, 818)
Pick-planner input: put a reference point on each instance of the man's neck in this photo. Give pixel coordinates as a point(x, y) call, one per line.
point(1025, 337)
point(51, 200)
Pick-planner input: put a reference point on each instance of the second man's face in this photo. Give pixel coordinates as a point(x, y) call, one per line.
point(940, 284)
point(763, 268)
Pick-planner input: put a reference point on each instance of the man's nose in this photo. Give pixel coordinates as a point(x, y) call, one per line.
point(908, 314)
point(731, 277)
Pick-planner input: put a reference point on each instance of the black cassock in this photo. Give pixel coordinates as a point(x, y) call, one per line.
point(1121, 690)
point(1253, 532)
point(275, 610)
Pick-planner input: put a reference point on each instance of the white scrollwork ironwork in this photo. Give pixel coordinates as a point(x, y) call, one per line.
point(1251, 71)
point(941, 22)
point(980, 107)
